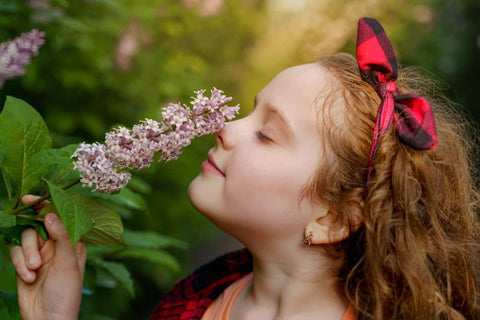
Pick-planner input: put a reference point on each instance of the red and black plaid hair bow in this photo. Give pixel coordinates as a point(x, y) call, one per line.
point(413, 117)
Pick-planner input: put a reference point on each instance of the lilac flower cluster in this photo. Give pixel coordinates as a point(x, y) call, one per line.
point(16, 54)
point(102, 165)
point(96, 169)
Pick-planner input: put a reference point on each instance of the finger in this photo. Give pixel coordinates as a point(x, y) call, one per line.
point(47, 252)
point(31, 249)
point(58, 233)
point(41, 241)
point(18, 261)
point(81, 252)
point(29, 198)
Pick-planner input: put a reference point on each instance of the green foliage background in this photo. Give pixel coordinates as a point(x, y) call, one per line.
point(81, 87)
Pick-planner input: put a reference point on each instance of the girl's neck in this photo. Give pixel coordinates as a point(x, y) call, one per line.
point(299, 286)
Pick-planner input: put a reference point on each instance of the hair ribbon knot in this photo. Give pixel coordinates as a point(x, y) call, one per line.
point(411, 113)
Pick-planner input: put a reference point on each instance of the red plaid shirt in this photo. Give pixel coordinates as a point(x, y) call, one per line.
point(190, 297)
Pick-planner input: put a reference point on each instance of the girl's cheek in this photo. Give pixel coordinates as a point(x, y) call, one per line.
point(259, 173)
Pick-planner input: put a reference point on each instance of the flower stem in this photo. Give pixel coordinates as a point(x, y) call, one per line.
point(34, 218)
point(63, 175)
point(42, 198)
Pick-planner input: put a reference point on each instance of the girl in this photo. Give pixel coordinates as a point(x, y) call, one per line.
point(352, 200)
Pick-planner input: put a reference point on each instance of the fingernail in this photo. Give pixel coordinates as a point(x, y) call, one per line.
point(31, 262)
point(52, 219)
point(27, 276)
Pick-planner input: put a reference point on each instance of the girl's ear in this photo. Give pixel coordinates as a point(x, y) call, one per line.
point(329, 228)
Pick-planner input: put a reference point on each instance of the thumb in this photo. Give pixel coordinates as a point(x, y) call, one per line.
point(58, 233)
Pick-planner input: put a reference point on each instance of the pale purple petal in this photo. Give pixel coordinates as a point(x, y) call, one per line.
point(17, 53)
point(97, 170)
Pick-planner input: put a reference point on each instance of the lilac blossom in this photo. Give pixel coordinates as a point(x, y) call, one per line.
point(96, 169)
point(16, 54)
point(135, 148)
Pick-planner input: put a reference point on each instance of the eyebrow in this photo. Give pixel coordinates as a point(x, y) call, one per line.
point(278, 115)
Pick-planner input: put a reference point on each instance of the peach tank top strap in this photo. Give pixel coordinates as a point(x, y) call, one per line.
point(220, 308)
point(350, 313)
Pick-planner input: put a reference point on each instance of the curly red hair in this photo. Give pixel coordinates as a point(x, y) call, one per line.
point(415, 254)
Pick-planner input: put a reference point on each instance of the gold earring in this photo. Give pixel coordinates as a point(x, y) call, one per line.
point(308, 240)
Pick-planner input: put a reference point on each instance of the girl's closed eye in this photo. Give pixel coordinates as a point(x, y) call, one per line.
point(262, 137)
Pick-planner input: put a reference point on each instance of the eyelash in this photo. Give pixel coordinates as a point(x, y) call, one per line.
point(262, 137)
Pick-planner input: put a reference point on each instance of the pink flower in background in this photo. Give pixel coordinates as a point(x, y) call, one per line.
point(16, 54)
point(211, 7)
point(207, 8)
point(100, 164)
point(127, 47)
point(39, 4)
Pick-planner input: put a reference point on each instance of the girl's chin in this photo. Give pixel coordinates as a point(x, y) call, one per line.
point(198, 196)
point(194, 187)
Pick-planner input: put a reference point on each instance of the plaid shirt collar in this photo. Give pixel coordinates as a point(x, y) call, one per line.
point(190, 297)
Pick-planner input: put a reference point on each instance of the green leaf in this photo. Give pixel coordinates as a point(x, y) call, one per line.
point(130, 199)
point(105, 279)
point(70, 149)
point(49, 207)
point(108, 227)
point(4, 311)
point(126, 198)
point(9, 307)
point(9, 7)
point(23, 134)
point(151, 240)
point(2, 172)
point(137, 184)
point(13, 234)
point(120, 202)
point(158, 257)
point(7, 220)
point(101, 251)
point(52, 164)
point(75, 215)
point(9, 183)
point(118, 271)
point(8, 283)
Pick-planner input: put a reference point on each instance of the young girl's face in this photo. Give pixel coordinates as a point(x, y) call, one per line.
point(252, 183)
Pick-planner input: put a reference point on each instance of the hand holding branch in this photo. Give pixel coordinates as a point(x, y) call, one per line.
point(49, 273)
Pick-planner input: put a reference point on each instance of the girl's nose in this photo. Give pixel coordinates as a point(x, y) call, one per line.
point(227, 137)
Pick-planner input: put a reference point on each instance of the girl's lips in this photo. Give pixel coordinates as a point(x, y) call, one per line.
point(210, 166)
